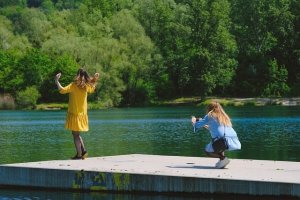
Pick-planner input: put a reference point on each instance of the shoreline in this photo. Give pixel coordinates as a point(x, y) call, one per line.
point(182, 101)
point(230, 101)
point(196, 101)
point(293, 101)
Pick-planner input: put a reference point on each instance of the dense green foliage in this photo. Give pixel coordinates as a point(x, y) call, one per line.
point(28, 98)
point(151, 49)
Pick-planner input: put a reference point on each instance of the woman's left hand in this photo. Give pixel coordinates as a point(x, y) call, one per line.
point(96, 76)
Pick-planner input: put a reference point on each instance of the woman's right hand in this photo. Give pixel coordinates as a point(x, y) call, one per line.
point(194, 119)
point(57, 77)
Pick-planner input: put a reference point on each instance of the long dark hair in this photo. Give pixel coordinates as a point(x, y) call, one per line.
point(82, 78)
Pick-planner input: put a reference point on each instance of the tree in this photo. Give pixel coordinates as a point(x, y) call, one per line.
point(276, 80)
point(294, 50)
point(109, 7)
point(212, 47)
point(28, 98)
point(67, 4)
point(35, 66)
point(10, 78)
point(138, 48)
point(48, 6)
point(263, 32)
point(165, 23)
point(34, 24)
point(9, 41)
point(5, 3)
point(65, 65)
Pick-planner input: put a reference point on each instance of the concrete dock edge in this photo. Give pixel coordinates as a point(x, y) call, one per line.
point(129, 181)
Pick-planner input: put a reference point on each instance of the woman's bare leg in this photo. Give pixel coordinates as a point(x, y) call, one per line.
point(82, 144)
point(77, 142)
point(215, 155)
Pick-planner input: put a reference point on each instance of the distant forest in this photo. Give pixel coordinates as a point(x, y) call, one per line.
point(150, 50)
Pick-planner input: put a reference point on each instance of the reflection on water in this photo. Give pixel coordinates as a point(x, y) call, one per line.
point(269, 133)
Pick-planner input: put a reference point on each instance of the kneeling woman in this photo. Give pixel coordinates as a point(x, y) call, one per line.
point(219, 124)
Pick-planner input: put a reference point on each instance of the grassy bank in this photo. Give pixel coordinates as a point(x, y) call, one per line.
point(295, 101)
point(7, 103)
point(62, 106)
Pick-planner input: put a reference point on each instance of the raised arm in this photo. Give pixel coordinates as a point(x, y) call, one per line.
point(57, 77)
point(95, 79)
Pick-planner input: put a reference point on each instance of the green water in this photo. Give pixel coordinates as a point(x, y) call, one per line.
point(269, 133)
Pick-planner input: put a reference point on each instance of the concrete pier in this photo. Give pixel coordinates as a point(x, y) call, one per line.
point(154, 173)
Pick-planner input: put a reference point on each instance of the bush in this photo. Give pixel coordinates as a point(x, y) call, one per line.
point(28, 98)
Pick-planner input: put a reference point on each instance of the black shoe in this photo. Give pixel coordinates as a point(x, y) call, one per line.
point(77, 157)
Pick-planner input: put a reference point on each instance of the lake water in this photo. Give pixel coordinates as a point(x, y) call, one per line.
point(268, 133)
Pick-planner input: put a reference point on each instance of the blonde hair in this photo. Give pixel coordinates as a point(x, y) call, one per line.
point(215, 110)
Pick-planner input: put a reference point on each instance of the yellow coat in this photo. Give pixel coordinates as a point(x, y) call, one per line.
point(77, 118)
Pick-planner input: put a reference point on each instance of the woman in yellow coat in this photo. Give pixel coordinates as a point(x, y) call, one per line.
point(77, 118)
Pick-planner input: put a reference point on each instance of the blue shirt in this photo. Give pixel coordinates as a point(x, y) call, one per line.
point(217, 130)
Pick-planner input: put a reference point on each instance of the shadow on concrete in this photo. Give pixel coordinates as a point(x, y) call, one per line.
point(192, 167)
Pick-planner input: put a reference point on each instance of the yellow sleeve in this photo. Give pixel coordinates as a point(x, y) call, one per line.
point(66, 89)
point(90, 88)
